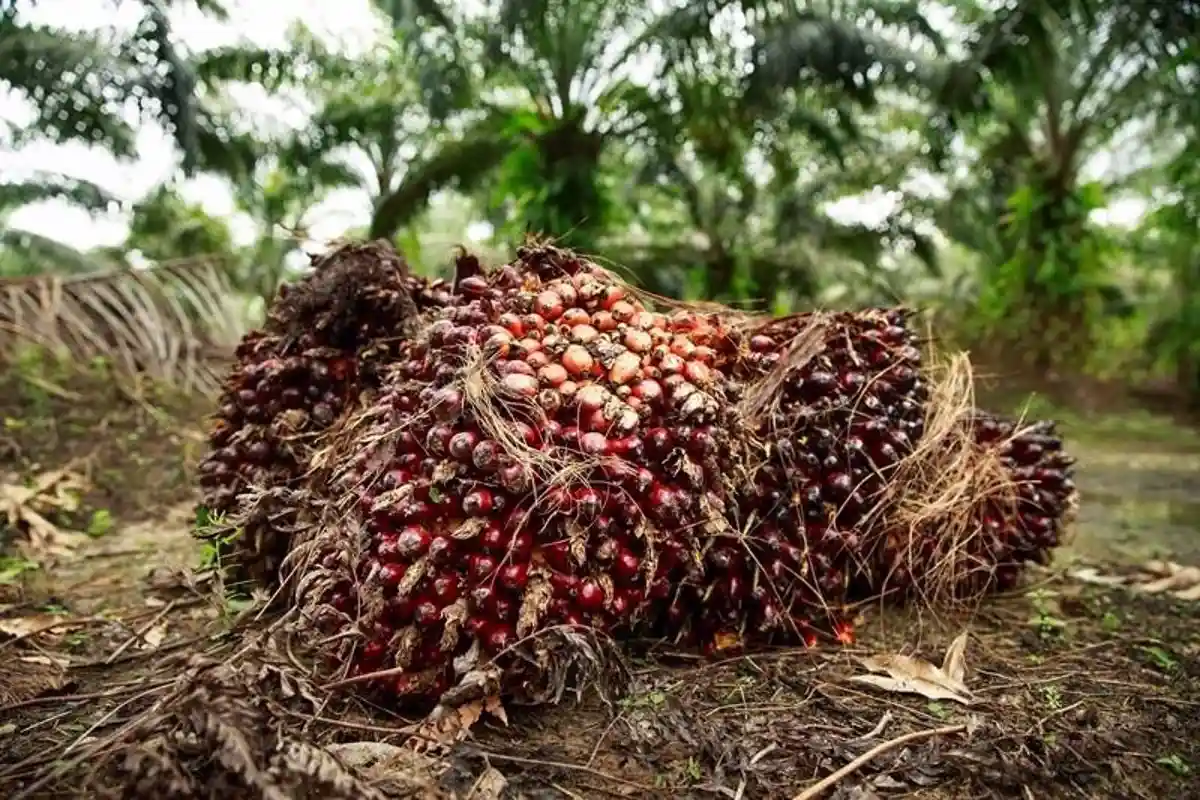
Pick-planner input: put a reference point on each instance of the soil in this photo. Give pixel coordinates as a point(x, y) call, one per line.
point(118, 662)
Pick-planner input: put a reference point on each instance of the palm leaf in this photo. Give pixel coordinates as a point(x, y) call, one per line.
point(462, 163)
point(48, 186)
point(48, 66)
point(407, 14)
point(807, 48)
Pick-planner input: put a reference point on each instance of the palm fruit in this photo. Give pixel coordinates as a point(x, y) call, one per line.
point(537, 447)
point(547, 451)
point(993, 497)
point(317, 350)
point(837, 401)
point(1031, 524)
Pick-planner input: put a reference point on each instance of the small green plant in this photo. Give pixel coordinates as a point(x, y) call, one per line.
point(937, 709)
point(1175, 765)
point(205, 525)
point(652, 699)
point(12, 568)
point(1160, 657)
point(1053, 696)
point(1111, 621)
point(1044, 620)
point(100, 523)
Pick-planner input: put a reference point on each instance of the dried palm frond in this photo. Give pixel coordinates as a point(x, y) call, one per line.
point(174, 323)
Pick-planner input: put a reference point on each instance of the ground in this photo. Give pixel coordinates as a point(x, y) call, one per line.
point(1076, 687)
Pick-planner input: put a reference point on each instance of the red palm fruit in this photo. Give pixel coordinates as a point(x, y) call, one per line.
point(576, 457)
point(508, 526)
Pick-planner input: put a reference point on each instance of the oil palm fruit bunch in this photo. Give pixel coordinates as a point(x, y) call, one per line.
point(293, 378)
point(538, 447)
point(993, 496)
point(557, 454)
point(1026, 523)
point(550, 451)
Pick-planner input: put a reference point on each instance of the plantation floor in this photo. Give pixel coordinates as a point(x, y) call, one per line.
point(1078, 689)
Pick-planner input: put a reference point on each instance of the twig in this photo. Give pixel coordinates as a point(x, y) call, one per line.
point(140, 634)
point(71, 698)
point(829, 781)
point(878, 729)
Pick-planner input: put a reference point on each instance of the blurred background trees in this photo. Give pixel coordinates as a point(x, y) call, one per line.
point(1026, 170)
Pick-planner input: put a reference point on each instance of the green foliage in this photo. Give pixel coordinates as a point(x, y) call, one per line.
point(165, 227)
point(1053, 285)
point(698, 145)
point(79, 85)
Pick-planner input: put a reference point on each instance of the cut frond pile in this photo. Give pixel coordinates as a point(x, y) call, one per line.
point(176, 323)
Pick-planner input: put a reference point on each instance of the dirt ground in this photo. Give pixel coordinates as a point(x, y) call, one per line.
point(122, 675)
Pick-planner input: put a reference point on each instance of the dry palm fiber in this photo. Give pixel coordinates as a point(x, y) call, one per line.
point(544, 449)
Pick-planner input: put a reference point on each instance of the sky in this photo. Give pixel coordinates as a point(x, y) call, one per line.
point(350, 23)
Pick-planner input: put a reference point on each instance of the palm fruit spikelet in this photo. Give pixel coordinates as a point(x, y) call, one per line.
point(982, 497)
point(293, 378)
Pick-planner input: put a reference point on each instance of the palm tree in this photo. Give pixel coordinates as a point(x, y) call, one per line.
point(1046, 86)
point(569, 83)
point(81, 83)
point(749, 180)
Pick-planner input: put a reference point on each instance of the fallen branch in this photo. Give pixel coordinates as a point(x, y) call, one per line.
point(831, 780)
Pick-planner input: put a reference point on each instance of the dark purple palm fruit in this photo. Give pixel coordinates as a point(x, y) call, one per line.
point(1029, 526)
point(317, 350)
point(1012, 509)
point(838, 399)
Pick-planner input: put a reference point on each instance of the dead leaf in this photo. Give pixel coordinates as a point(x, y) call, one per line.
point(21, 627)
point(1156, 577)
point(26, 508)
point(364, 755)
point(1096, 577)
point(448, 724)
point(954, 664)
point(153, 638)
point(1181, 581)
point(387, 763)
point(493, 706)
point(29, 677)
point(489, 786)
point(45, 660)
point(910, 675)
